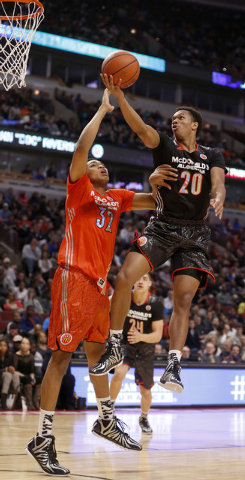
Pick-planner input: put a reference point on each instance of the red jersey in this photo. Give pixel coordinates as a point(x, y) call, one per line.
point(91, 227)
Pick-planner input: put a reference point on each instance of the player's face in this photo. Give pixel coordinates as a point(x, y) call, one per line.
point(97, 172)
point(143, 284)
point(183, 124)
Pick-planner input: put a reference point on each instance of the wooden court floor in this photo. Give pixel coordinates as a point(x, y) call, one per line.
point(203, 444)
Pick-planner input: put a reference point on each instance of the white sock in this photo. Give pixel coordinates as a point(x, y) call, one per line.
point(105, 408)
point(115, 336)
point(143, 414)
point(178, 353)
point(45, 422)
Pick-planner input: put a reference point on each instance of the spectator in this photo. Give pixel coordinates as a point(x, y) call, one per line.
point(188, 356)
point(39, 175)
point(239, 333)
point(209, 355)
point(28, 320)
point(24, 231)
point(21, 292)
point(24, 366)
point(12, 304)
point(22, 199)
point(227, 333)
point(31, 300)
point(165, 276)
point(17, 341)
point(234, 356)
point(168, 302)
point(51, 172)
point(8, 376)
point(199, 328)
point(42, 346)
point(16, 321)
point(5, 212)
point(226, 349)
point(8, 270)
point(46, 323)
point(45, 264)
point(27, 170)
point(38, 360)
point(31, 253)
point(192, 339)
point(224, 297)
point(9, 337)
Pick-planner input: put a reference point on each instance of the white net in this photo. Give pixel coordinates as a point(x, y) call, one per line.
point(18, 23)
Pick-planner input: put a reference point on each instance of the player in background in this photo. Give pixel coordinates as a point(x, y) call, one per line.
point(80, 304)
point(178, 232)
point(142, 329)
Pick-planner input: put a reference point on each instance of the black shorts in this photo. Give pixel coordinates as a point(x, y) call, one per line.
point(141, 357)
point(184, 241)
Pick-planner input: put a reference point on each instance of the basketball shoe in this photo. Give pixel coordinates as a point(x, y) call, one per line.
point(110, 359)
point(113, 430)
point(145, 426)
point(42, 449)
point(171, 377)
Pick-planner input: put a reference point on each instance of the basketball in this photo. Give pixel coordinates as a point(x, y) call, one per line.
point(122, 65)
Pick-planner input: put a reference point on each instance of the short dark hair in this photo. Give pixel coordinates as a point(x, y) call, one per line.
point(197, 117)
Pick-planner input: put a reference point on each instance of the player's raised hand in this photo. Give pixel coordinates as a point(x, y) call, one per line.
point(218, 205)
point(106, 100)
point(163, 174)
point(114, 89)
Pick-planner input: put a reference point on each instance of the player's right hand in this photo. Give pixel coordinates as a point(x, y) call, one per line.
point(162, 173)
point(114, 89)
point(106, 100)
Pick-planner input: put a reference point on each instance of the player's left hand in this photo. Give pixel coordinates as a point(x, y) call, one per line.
point(134, 336)
point(218, 206)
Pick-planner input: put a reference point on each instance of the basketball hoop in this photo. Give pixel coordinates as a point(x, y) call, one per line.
point(18, 24)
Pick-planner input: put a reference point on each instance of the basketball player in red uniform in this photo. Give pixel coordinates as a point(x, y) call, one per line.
point(178, 231)
point(80, 304)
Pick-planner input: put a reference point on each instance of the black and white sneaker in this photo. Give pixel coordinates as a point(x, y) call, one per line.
point(145, 426)
point(110, 359)
point(42, 449)
point(171, 377)
point(113, 430)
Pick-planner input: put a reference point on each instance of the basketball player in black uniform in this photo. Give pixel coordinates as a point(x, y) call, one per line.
point(178, 232)
point(142, 329)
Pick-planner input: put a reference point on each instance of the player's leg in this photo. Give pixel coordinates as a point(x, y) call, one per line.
point(107, 425)
point(116, 382)
point(134, 267)
point(184, 289)
point(42, 446)
point(146, 398)
point(144, 372)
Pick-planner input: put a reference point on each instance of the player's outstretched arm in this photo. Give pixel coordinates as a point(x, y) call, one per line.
point(86, 139)
point(218, 191)
point(143, 201)
point(147, 134)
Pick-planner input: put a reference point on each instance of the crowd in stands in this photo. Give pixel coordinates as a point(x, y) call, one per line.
point(25, 111)
point(171, 25)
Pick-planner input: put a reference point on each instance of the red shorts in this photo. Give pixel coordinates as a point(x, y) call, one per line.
point(79, 311)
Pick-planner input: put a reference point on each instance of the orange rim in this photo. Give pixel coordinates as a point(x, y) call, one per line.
point(24, 17)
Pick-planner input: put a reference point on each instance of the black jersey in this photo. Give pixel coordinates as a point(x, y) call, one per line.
point(142, 316)
point(189, 196)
